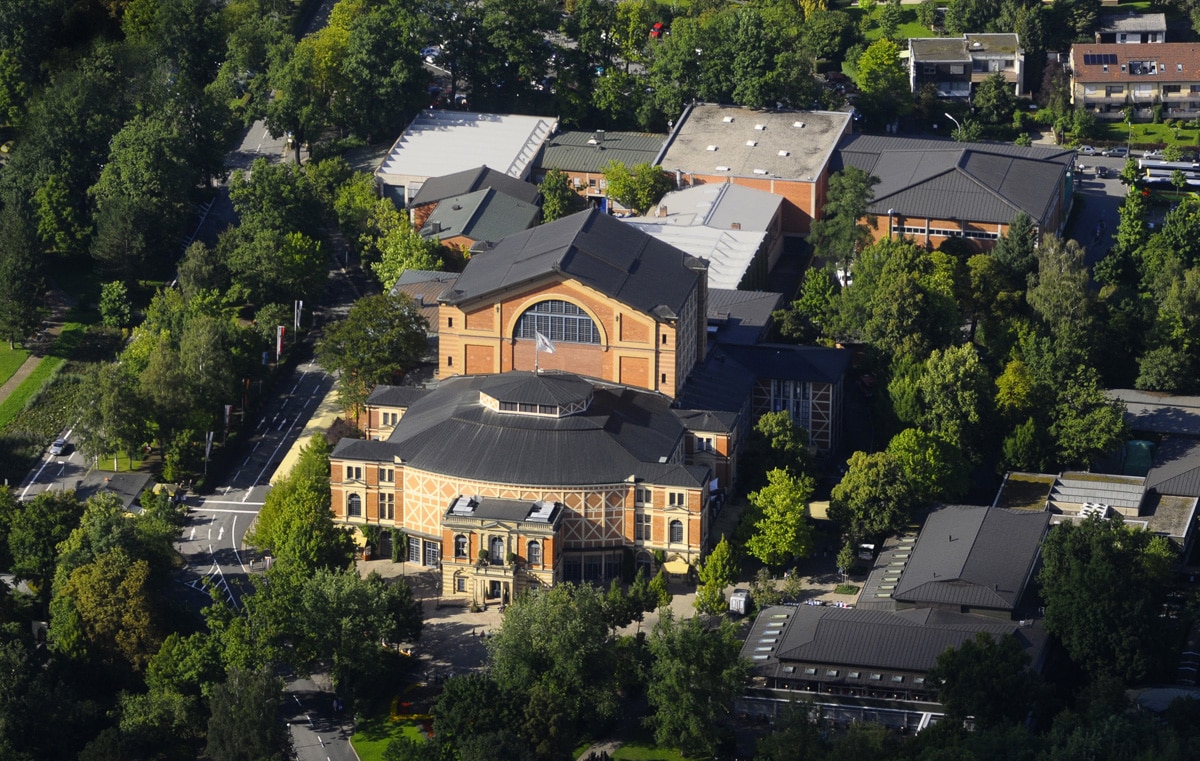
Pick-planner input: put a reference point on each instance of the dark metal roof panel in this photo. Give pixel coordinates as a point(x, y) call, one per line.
point(395, 396)
point(786, 361)
point(575, 151)
point(468, 181)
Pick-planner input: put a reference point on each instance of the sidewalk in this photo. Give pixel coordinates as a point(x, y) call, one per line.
point(59, 304)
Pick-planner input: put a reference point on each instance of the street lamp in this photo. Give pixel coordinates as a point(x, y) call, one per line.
point(956, 124)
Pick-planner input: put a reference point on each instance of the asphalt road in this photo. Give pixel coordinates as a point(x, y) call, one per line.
point(318, 732)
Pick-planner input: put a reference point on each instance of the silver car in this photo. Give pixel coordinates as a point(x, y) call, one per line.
point(58, 447)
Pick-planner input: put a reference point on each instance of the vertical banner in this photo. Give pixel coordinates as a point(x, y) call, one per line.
point(279, 343)
point(228, 414)
point(208, 445)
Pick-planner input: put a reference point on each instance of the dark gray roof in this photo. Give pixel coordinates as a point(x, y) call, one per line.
point(395, 396)
point(707, 420)
point(1176, 468)
point(721, 383)
point(127, 486)
point(460, 183)
point(578, 151)
point(425, 287)
point(978, 182)
point(973, 556)
point(486, 215)
point(1132, 22)
point(814, 364)
point(623, 432)
point(539, 389)
point(908, 640)
point(1159, 413)
point(938, 49)
point(741, 317)
point(601, 252)
point(493, 508)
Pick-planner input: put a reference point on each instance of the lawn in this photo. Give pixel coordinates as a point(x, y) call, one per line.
point(10, 360)
point(1118, 132)
point(371, 736)
point(68, 341)
point(639, 752)
point(908, 25)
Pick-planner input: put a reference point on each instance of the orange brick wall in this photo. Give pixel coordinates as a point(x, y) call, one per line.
point(802, 200)
point(879, 230)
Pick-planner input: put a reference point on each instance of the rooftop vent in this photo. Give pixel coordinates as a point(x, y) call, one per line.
point(761, 171)
point(976, 44)
point(722, 169)
point(798, 125)
point(727, 119)
point(751, 143)
point(760, 127)
point(712, 148)
point(785, 153)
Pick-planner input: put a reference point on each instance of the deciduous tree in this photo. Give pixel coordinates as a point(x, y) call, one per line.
point(638, 187)
point(245, 724)
point(716, 572)
point(783, 531)
point(22, 289)
point(874, 496)
point(840, 232)
point(559, 199)
point(987, 679)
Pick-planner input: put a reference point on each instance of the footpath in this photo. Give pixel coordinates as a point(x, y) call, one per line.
point(60, 304)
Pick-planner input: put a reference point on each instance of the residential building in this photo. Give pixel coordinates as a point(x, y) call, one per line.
point(933, 190)
point(439, 143)
point(437, 189)
point(1132, 28)
point(787, 153)
point(954, 65)
point(737, 230)
point(583, 156)
point(1108, 78)
point(484, 216)
point(967, 574)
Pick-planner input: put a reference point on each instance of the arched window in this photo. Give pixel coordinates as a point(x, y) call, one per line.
point(497, 550)
point(533, 553)
point(354, 506)
point(558, 321)
point(676, 531)
point(460, 546)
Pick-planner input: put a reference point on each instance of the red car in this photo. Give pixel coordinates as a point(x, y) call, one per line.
point(658, 30)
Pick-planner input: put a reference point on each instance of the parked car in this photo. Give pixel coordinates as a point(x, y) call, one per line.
point(1152, 155)
point(1120, 152)
point(1102, 171)
point(58, 447)
point(658, 30)
point(1086, 150)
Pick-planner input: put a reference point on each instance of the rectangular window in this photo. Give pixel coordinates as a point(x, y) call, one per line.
point(414, 549)
point(387, 475)
point(876, 677)
point(1170, 89)
point(704, 444)
point(433, 553)
point(929, 69)
point(641, 495)
point(642, 527)
point(387, 506)
point(353, 473)
point(449, 322)
point(957, 68)
point(897, 678)
point(677, 499)
point(460, 584)
point(449, 361)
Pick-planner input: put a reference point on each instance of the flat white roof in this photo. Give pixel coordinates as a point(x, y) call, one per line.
point(700, 221)
point(442, 142)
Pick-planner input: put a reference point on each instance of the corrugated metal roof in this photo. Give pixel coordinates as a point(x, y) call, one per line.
point(579, 151)
point(468, 181)
point(973, 556)
point(595, 249)
point(816, 364)
point(741, 317)
point(395, 396)
point(1176, 468)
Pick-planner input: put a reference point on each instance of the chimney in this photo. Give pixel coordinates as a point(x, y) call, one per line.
point(435, 227)
point(735, 226)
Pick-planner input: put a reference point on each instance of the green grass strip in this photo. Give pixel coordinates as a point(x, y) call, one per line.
point(10, 361)
point(372, 736)
point(68, 340)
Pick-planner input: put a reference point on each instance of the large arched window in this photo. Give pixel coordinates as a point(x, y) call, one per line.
point(497, 550)
point(354, 506)
point(533, 553)
point(558, 321)
point(676, 531)
point(460, 546)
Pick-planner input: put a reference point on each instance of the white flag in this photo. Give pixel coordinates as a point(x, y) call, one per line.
point(543, 343)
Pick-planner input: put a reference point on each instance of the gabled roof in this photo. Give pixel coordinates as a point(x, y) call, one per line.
point(395, 396)
point(594, 249)
point(1132, 22)
point(126, 486)
point(485, 215)
point(721, 383)
point(579, 151)
point(439, 142)
point(973, 556)
point(1176, 468)
point(1163, 62)
point(468, 181)
point(425, 287)
point(622, 433)
point(978, 182)
point(905, 641)
point(813, 364)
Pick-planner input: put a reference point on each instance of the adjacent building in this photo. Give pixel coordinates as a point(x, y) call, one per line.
point(437, 189)
point(1132, 28)
point(787, 153)
point(1108, 78)
point(954, 65)
point(583, 156)
point(439, 143)
point(484, 216)
point(968, 574)
point(933, 190)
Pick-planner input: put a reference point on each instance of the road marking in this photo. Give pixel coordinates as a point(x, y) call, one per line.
point(221, 533)
point(192, 536)
point(256, 445)
point(281, 422)
point(46, 462)
point(238, 512)
point(210, 534)
point(233, 544)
